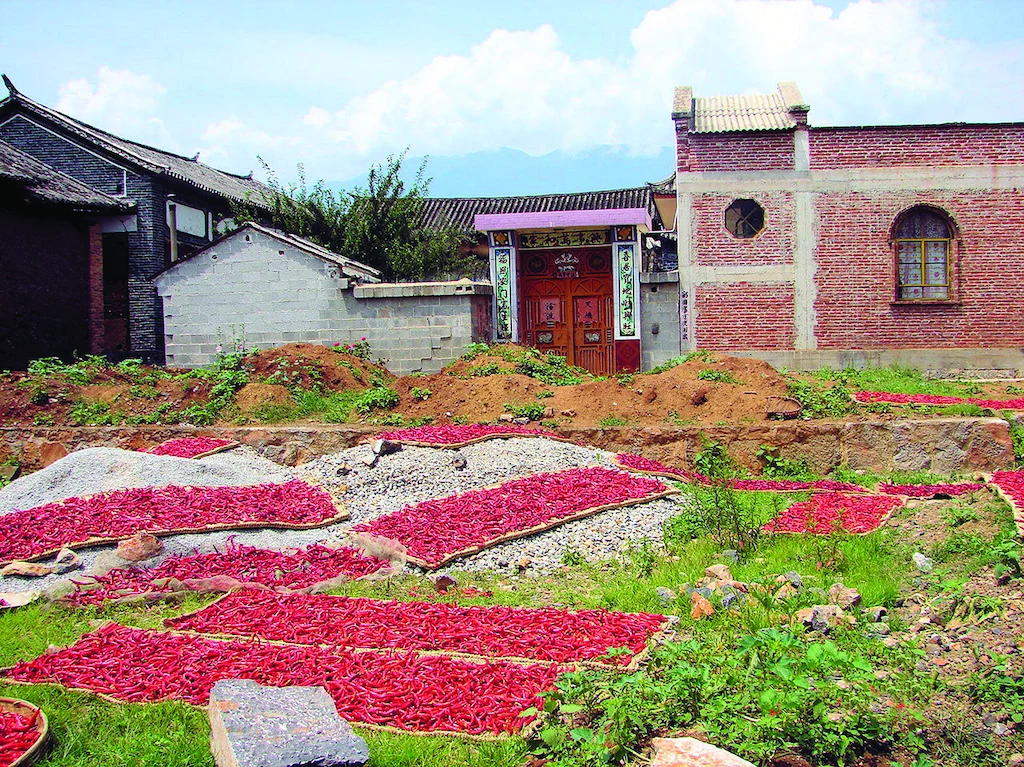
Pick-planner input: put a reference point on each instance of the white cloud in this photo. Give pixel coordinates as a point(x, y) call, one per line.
point(118, 101)
point(876, 61)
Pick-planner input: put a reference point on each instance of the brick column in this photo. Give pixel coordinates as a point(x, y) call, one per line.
point(97, 339)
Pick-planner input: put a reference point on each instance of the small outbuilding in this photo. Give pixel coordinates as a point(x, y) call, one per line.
point(263, 288)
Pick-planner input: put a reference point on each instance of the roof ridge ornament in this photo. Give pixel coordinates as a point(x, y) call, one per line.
point(10, 86)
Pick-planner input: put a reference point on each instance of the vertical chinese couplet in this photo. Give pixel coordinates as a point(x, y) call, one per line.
point(503, 277)
point(625, 274)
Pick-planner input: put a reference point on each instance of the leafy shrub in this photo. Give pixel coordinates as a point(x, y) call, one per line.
point(532, 410)
point(771, 691)
point(420, 394)
point(701, 354)
point(376, 398)
point(611, 421)
point(487, 369)
point(719, 376)
point(819, 401)
point(777, 467)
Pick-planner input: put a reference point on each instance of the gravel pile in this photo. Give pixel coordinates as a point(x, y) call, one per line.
point(409, 476)
point(97, 469)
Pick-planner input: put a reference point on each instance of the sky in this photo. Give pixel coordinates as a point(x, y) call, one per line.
point(529, 97)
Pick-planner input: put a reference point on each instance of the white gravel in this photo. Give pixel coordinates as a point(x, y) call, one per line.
point(98, 469)
point(411, 475)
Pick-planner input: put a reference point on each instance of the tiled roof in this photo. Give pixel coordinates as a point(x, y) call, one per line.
point(716, 114)
point(349, 267)
point(42, 183)
point(781, 110)
point(188, 170)
point(460, 211)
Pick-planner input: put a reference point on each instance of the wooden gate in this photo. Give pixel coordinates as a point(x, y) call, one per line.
point(567, 305)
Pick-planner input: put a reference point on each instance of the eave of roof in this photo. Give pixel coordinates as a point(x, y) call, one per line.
point(157, 161)
point(461, 211)
point(44, 184)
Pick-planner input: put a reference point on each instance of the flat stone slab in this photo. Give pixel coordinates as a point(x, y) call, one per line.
point(690, 752)
point(256, 726)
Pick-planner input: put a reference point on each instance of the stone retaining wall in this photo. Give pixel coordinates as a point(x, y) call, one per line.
point(942, 445)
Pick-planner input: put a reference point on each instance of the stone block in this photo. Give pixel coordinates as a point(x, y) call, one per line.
point(256, 726)
point(690, 752)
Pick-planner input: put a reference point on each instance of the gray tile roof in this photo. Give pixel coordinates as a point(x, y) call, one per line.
point(348, 266)
point(185, 169)
point(459, 211)
point(41, 183)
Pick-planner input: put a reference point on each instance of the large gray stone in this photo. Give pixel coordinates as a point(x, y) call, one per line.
point(256, 726)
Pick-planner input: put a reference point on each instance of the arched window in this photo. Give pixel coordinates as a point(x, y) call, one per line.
point(924, 243)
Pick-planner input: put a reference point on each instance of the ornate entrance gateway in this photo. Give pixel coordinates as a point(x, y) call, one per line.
point(567, 305)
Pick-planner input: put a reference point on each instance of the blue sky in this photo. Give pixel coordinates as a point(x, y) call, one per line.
point(506, 98)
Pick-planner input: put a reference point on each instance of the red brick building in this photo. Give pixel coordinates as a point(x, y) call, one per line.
point(848, 245)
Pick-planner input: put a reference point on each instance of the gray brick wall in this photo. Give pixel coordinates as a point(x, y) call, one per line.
point(254, 292)
point(659, 304)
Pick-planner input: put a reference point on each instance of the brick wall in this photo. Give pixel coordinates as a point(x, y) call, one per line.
point(738, 151)
point(715, 245)
point(63, 154)
point(856, 281)
point(255, 293)
point(745, 315)
point(917, 145)
point(44, 288)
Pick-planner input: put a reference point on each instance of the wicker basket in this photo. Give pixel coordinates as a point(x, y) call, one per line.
point(36, 750)
point(783, 407)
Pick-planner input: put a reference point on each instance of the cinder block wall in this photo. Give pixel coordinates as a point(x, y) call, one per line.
point(265, 294)
point(659, 305)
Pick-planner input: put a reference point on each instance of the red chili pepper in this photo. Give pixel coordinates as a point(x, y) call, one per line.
point(188, 447)
point(18, 734)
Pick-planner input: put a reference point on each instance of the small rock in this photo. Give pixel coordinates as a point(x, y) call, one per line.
point(700, 396)
point(732, 555)
point(875, 614)
point(26, 569)
point(730, 597)
point(506, 417)
point(923, 563)
point(786, 591)
point(666, 595)
point(650, 395)
point(523, 563)
point(1015, 760)
point(18, 598)
point(459, 461)
point(718, 572)
point(794, 577)
point(822, 618)
point(60, 589)
point(139, 547)
point(444, 582)
point(879, 629)
point(843, 596)
point(521, 420)
point(690, 752)
point(385, 447)
point(1000, 729)
point(66, 561)
point(569, 413)
point(701, 606)
point(549, 412)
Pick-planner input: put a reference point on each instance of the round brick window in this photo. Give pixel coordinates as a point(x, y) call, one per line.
point(744, 219)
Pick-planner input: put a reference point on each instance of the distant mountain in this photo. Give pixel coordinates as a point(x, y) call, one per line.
point(509, 172)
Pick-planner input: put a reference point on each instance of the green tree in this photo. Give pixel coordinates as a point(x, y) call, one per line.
point(380, 225)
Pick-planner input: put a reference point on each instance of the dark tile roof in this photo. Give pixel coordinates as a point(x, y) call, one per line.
point(459, 211)
point(185, 169)
point(41, 183)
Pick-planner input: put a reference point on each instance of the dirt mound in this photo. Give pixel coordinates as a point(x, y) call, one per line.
point(700, 391)
point(311, 365)
point(255, 395)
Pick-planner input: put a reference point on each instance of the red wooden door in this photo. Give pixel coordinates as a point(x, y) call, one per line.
point(567, 305)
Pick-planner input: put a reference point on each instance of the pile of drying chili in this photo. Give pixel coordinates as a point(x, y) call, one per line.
point(462, 434)
point(825, 513)
point(437, 531)
point(278, 569)
point(933, 399)
point(1011, 483)
point(120, 514)
point(401, 689)
point(546, 634)
point(930, 491)
point(189, 447)
point(639, 463)
point(17, 735)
